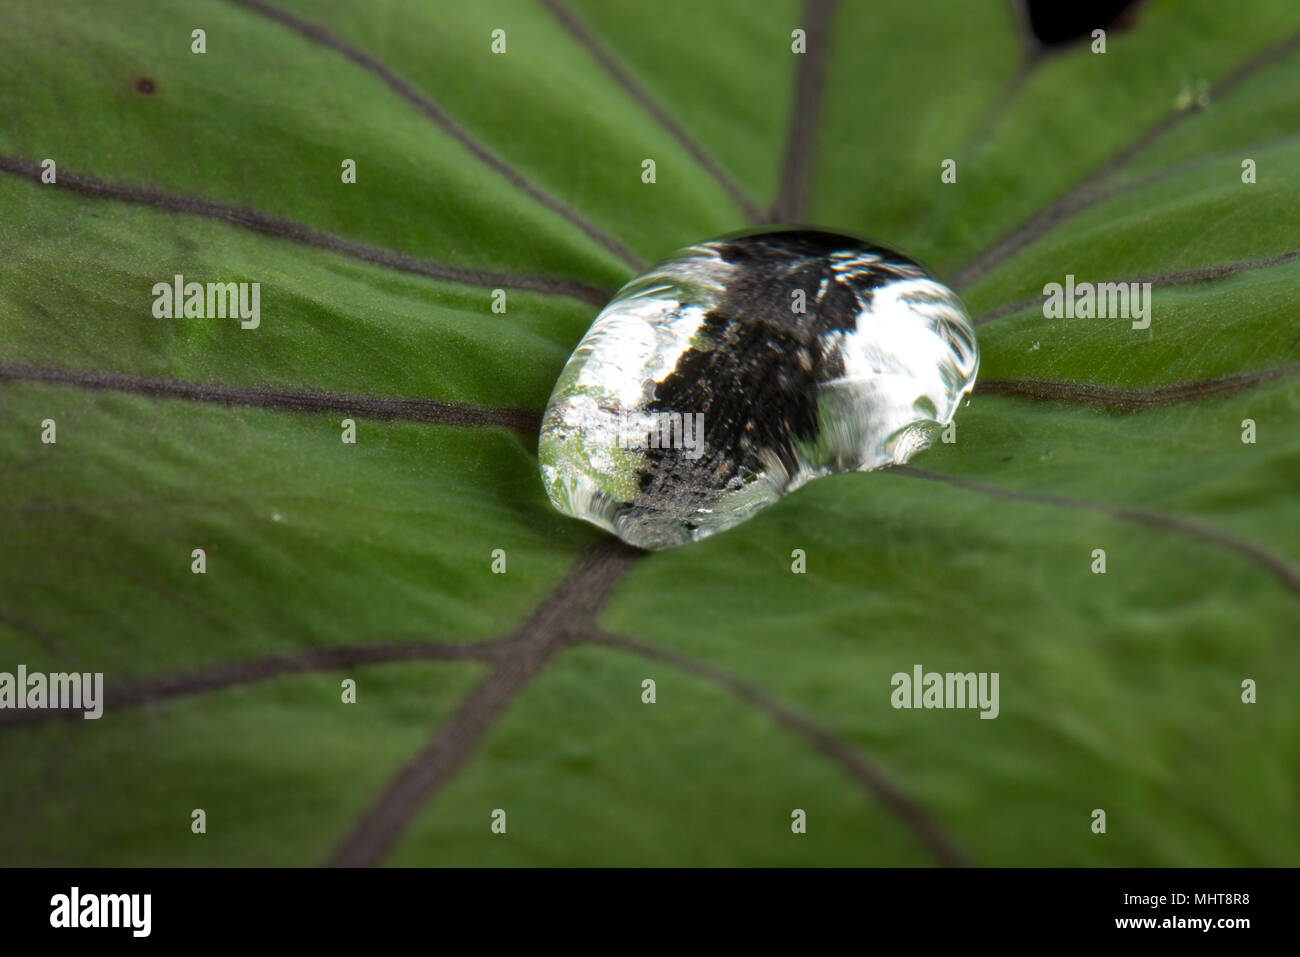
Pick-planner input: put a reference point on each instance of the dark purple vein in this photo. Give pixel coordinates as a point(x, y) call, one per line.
point(867, 775)
point(1123, 398)
point(259, 222)
point(1090, 189)
point(567, 612)
point(1033, 47)
point(810, 81)
point(992, 115)
point(33, 630)
point(1110, 189)
point(975, 140)
point(1206, 534)
point(1197, 274)
point(148, 691)
point(605, 58)
point(407, 91)
point(290, 400)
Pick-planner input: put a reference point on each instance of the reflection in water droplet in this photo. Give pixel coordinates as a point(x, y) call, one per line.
point(740, 369)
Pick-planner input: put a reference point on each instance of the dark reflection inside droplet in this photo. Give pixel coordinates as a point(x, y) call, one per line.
point(742, 368)
point(1056, 23)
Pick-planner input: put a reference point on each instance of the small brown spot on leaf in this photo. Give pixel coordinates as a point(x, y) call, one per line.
point(145, 85)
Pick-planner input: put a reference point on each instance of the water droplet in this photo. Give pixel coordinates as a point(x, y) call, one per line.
point(740, 369)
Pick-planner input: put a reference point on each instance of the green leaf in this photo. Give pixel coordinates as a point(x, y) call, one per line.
point(373, 561)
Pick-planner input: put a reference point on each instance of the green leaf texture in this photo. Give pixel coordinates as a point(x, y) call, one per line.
point(522, 691)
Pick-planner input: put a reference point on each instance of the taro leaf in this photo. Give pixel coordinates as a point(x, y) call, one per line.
point(522, 691)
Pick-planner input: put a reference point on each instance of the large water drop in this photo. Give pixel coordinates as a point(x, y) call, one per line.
point(739, 369)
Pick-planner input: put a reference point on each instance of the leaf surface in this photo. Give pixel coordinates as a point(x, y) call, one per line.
point(522, 171)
